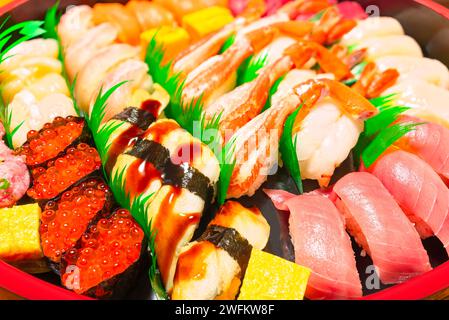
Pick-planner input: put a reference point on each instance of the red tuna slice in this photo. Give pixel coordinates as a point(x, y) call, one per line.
point(430, 142)
point(381, 228)
point(418, 190)
point(322, 244)
point(279, 198)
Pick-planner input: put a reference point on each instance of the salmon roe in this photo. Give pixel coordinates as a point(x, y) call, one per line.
point(63, 222)
point(53, 139)
point(108, 248)
point(61, 173)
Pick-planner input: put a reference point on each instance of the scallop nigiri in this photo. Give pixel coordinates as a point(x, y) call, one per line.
point(380, 226)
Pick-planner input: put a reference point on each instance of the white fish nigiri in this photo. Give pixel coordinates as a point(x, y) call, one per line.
point(82, 51)
point(28, 113)
point(74, 24)
point(372, 27)
point(430, 70)
point(45, 48)
point(397, 45)
point(135, 72)
point(97, 68)
point(427, 101)
point(325, 139)
point(275, 50)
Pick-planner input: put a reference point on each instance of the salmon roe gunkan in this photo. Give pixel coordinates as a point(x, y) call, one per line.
point(61, 173)
point(63, 222)
point(108, 248)
point(53, 139)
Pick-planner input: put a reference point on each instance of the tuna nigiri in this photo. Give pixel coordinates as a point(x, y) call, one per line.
point(429, 141)
point(381, 228)
point(418, 190)
point(322, 244)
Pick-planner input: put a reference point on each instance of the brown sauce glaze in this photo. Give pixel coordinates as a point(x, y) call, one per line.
point(139, 176)
point(152, 106)
point(159, 129)
point(171, 226)
point(124, 140)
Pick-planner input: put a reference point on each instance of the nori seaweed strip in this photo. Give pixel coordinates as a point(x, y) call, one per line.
point(151, 151)
point(189, 178)
point(231, 241)
point(182, 176)
point(136, 116)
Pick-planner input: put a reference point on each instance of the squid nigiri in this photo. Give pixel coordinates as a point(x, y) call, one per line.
point(418, 190)
point(372, 27)
point(381, 227)
point(426, 100)
point(430, 70)
point(396, 45)
point(212, 267)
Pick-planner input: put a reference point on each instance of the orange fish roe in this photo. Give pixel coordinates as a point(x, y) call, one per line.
point(61, 173)
point(109, 248)
point(63, 222)
point(53, 139)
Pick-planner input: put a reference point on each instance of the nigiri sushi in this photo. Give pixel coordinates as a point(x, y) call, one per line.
point(28, 113)
point(96, 70)
point(381, 228)
point(418, 190)
point(322, 244)
point(372, 27)
point(332, 122)
point(212, 267)
point(396, 45)
point(74, 24)
point(429, 141)
point(430, 70)
point(426, 100)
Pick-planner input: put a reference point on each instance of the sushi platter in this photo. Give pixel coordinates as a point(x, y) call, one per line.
point(224, 149)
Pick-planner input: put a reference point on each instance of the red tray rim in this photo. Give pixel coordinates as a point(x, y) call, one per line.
point(27, 286)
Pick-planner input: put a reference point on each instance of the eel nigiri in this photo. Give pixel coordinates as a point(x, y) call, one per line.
point(213, 266)
point(418, 190)
point(322, 244)
point(429, 141)
point(381, 228)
